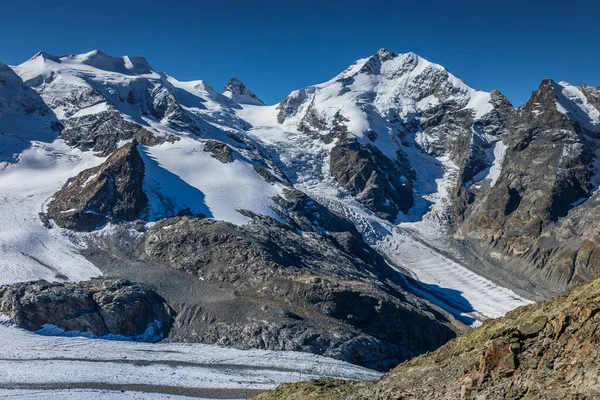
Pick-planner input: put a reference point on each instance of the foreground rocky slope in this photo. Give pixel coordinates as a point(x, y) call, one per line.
point(548, 350)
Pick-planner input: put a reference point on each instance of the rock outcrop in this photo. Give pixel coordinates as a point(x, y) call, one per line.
point(311, 292)
point(382, 185)
point(97, 307)
point(219, 150)
point(544, 351)
point(110, 191)
point(238, 92)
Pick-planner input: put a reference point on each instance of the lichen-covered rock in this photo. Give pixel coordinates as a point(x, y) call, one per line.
point(99, 307)
point(110, 191)
point(549, 350)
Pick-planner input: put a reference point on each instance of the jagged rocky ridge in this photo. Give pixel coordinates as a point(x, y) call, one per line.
point(543, 351)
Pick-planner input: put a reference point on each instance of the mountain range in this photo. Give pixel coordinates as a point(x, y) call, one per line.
point(369, 218)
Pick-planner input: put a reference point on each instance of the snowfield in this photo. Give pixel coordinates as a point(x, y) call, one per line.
point(193, 179)
point(29, 251)
point(44, 367)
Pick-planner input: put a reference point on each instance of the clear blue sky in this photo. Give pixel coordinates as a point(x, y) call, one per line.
point(278, 46)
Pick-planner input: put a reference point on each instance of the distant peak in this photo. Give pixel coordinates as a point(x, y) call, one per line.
point(126, 64)
point(45, 56)
point(385, 54)
point(238, 92)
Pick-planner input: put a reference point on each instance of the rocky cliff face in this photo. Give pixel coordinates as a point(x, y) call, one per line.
point(547, 182)
point(543, 351)
point(110, 192)
point(100, 308)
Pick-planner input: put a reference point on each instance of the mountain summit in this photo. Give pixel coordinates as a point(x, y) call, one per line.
point(239, 93)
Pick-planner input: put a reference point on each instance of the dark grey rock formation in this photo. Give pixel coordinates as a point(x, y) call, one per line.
point(219, 150)
point(313, 285)
point(110, 191)
point(100, 307)
point(532, 218)
point(102, 132)
point(384, 186)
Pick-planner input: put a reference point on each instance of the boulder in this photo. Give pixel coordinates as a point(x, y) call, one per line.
point(97, 307)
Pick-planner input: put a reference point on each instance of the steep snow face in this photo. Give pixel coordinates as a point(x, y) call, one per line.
point(238, 92)
point(379, 97)
point(571, 101)
point(30, 251)
point(71, 85)
point(182, 175)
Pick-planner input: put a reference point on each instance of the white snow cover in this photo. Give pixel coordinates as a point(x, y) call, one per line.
point(29, 251)
point(395, 85)
point(495, 155)
point(193, 179)
point(67, 366)
point(572, 102)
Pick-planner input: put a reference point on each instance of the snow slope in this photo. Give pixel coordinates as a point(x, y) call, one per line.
point(34, 366)
point(29, 251)
point(193, 179)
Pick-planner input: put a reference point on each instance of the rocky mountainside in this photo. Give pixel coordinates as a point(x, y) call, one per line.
point(541, 208)
point(368, 218)
point(543, 351)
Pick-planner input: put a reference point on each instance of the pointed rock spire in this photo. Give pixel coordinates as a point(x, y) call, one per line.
point(239, 93)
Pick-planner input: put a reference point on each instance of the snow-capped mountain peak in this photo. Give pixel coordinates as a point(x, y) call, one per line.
point(238, 92)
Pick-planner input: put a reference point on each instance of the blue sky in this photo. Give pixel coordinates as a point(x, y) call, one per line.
point(278, 46)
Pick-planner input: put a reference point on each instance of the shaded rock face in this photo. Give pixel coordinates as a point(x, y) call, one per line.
point(110, 191)
point(99, 307)
point(544, 351)
point(238, 92)
point(303, 213)
point(384, 186)
point(102, 132)
point(312, 286)
point(532, 217)
point(219, 150)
